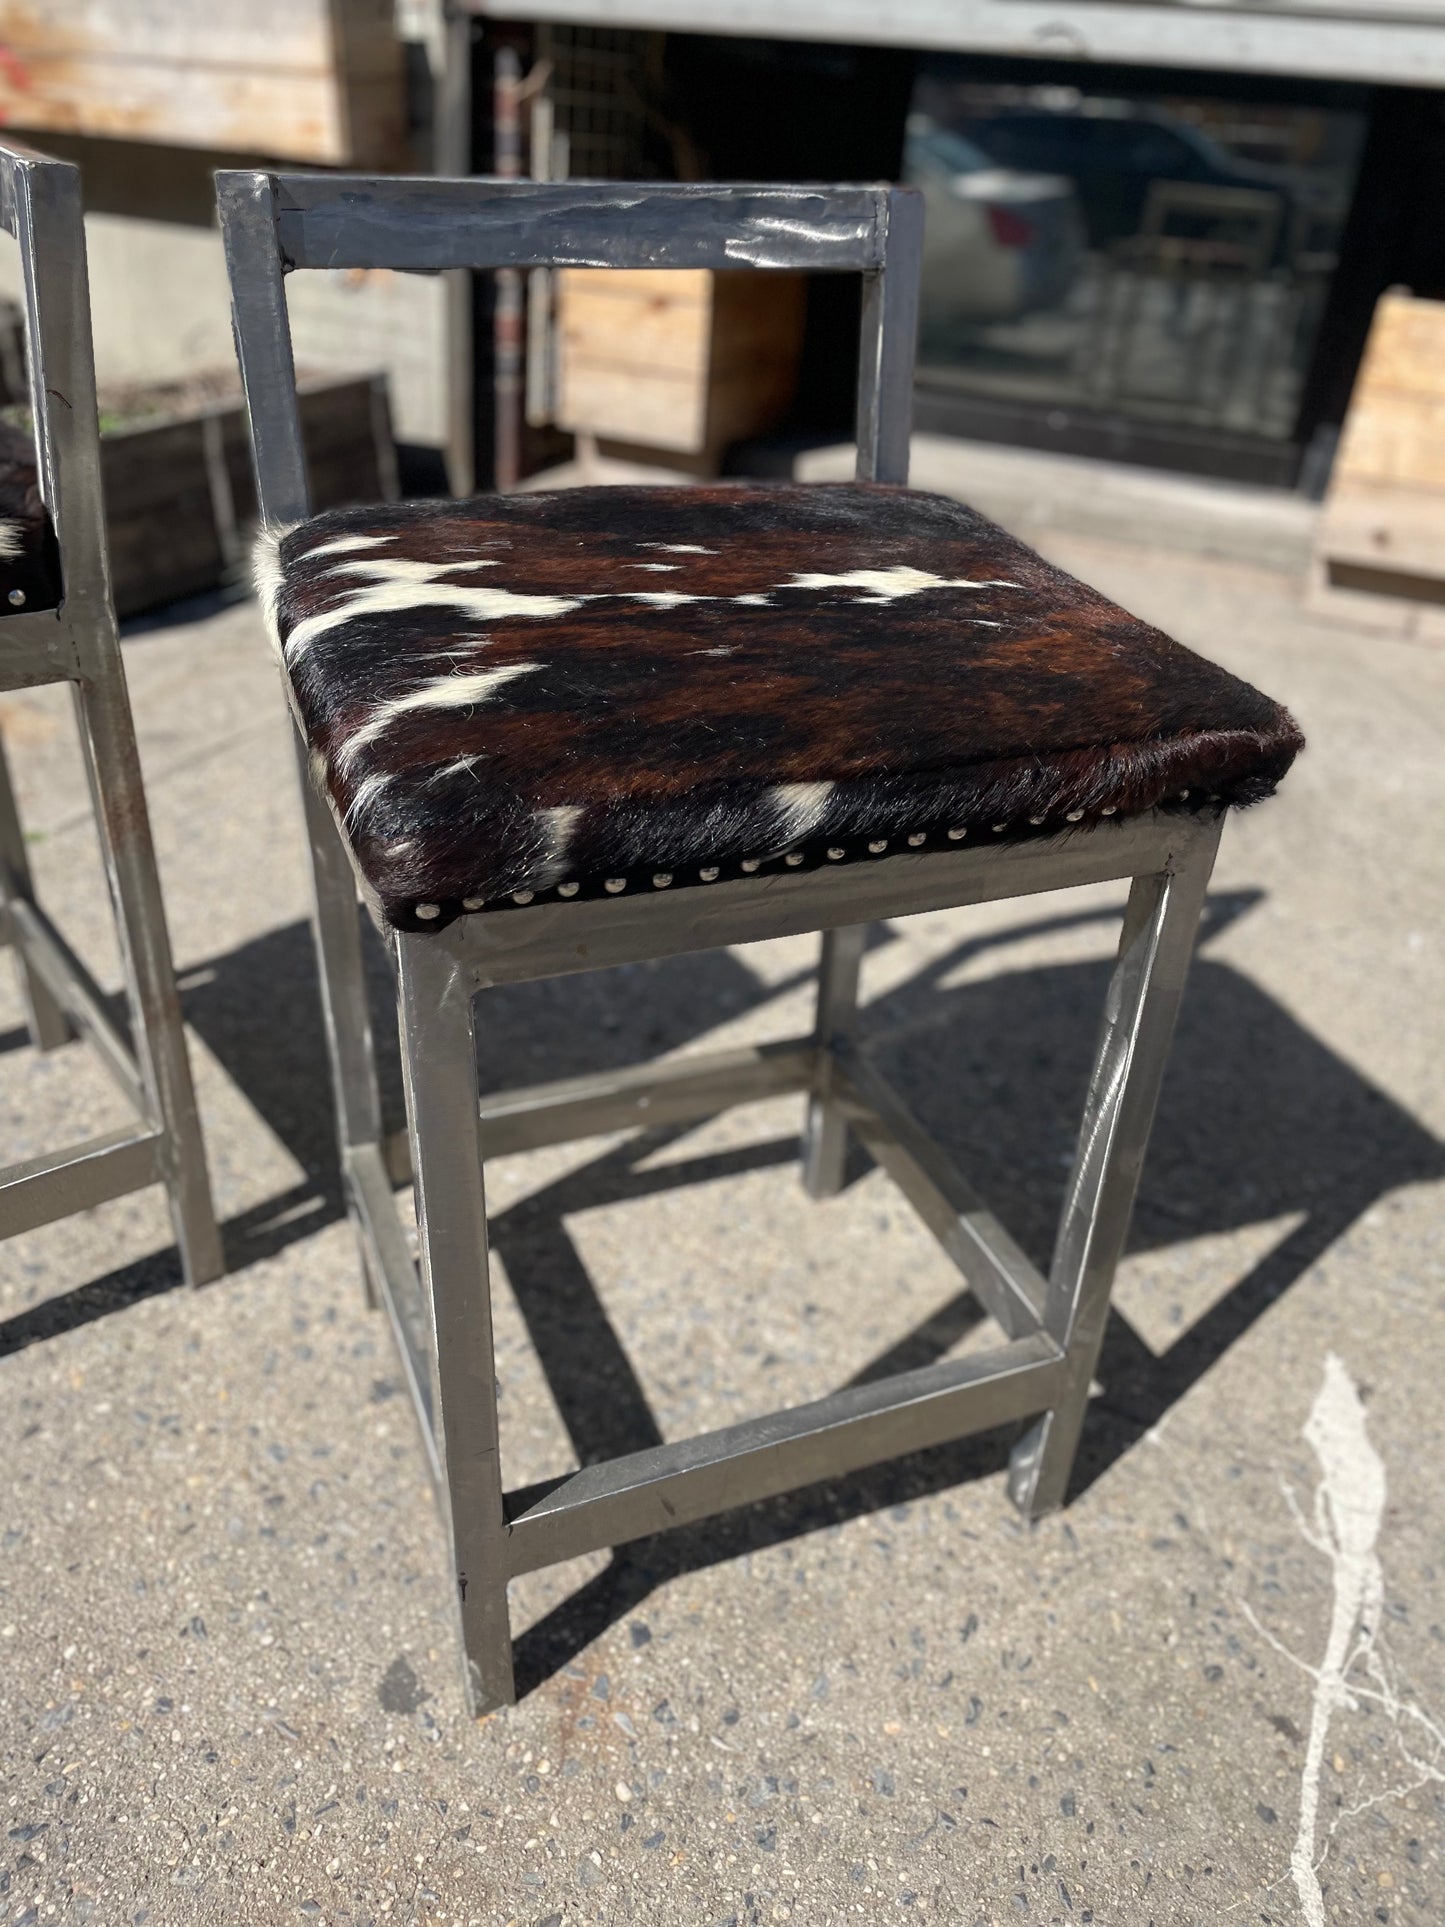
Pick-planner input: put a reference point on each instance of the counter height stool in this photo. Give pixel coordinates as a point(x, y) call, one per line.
point(551, 733)
point(57, 624)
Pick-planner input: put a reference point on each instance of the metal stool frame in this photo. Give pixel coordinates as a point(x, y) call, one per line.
point(273, 224)
point(40, 205)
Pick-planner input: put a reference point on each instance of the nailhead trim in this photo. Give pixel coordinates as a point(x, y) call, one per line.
point(750, 865)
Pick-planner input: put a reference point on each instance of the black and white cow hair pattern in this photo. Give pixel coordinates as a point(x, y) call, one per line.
point(615, 688)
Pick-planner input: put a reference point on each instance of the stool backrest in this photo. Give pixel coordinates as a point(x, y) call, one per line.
point(275, 223)
point(40, 205)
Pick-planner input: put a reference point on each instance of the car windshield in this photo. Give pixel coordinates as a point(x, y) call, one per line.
point(939, 148)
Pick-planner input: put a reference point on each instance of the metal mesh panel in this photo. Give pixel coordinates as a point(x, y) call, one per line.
point(598, 89)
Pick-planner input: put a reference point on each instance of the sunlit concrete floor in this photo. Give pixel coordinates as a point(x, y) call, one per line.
point(229, 1683)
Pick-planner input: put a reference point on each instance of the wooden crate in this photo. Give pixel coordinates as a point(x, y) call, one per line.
point(1380, 549)
point(682, 360)
point(179, 497)
point(308, 80)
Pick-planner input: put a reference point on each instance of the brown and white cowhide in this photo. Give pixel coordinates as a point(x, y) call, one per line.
point(616, 688)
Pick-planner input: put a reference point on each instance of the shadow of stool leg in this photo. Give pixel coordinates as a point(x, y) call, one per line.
point(442, 1104)
point(1160, 926)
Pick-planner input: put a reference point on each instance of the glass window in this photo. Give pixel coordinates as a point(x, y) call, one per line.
point(1161, 257)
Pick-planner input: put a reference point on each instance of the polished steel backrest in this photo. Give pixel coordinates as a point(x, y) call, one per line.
point(40, 205)
point(274, 223)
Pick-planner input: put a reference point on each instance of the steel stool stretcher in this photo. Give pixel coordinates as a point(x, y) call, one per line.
point(76, 642)
point(442, 1321)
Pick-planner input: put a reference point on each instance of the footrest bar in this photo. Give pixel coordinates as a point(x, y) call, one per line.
point(632, 1096)
point(1003, 1277)
point(57, 1183)
point(77, 993)
point(673, 1485)
point(397, 1282)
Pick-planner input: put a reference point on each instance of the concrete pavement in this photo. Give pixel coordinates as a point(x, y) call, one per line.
point(229, 1688)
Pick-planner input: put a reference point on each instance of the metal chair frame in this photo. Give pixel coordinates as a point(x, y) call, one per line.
point(273, 224)
point(40, 205)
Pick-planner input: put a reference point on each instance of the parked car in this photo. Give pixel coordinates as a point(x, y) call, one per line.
point(998, 241)
point(1113, 157)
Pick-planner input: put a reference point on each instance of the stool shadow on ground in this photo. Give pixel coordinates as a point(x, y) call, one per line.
point(258, 1011)
point(1260, 1125)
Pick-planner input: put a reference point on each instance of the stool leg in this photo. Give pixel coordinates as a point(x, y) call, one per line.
point(336, 931)
point(1160, 925)
point(112, 765)
point(825, 1135)
point(442, 1103)
point(44, 1019)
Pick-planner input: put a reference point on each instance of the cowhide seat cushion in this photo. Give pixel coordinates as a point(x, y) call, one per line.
point(613, 689)
point(29, 559)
